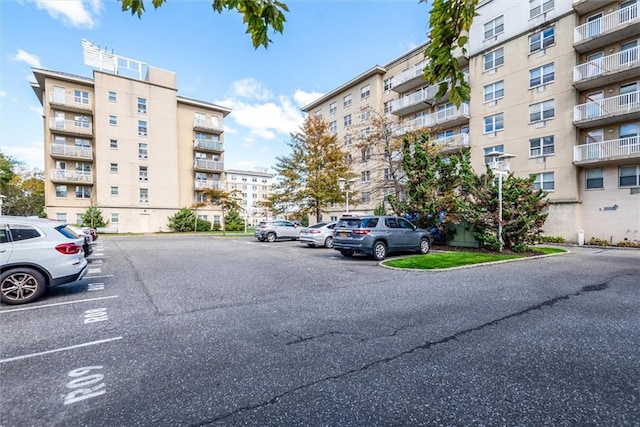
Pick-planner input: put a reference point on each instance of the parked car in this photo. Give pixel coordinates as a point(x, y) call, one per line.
point(378, 236)
point(37, 253)
point(275, 230)
point(320, 234)
point(85, 234)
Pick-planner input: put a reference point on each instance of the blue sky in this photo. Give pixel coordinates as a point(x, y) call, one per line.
point(325, 44)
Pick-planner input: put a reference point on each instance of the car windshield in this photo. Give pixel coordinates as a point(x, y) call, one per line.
point(318, 225)
point(349, 223)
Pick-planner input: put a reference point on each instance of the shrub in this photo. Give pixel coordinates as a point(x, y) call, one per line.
point(628, 244)
point(598, 242)
point(183, 220)
point(550, 239)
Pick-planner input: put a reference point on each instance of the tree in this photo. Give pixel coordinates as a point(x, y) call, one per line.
point(23, 189)
point(226, 201)
point(92, 217)
point(308, 177)
point(6, 172)
point(258, 15)
point(233, 221)
point(185, 219)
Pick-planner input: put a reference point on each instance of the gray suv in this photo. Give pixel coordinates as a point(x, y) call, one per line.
point(379, 235)
point(278, 229)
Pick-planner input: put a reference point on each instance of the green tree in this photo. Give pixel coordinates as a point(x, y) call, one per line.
point(23, 189)
point(233, 221)
point(184, 220)
point(308, 177)
point(6, 172)
point(224, 200)
point(92, 217)
point(258, 15)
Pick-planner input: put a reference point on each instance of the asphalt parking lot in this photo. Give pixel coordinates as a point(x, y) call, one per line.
point(199, 330)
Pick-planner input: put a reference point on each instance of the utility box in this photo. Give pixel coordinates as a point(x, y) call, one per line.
point(463, 236)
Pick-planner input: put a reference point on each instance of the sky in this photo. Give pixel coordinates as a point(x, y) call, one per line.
point(325, 44)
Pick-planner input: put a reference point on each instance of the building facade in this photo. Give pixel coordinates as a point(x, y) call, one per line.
point(554, 84)
point(251, 188)
point(129, 146)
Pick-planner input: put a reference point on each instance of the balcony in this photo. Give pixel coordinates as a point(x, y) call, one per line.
point(449, 116)
point(65, 176)
point(209, 185)
point(70, 103)
point(608, 110)
point(419, 100)
point(454, 142)
point(616, 150)
point(410, 79)
point(583, 7)
point(70, 152)
point(202, 144)
point(208, 165)
point(207, 125)
point(613, 27)
point(71, 127)
point(609, 69)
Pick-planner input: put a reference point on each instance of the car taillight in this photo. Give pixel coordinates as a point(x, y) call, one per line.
point(68, 248)
point(362, 231)
point(315, 232)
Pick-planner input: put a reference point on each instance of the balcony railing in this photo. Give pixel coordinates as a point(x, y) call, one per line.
point(607, 23)
point(207, 124)
point(207, 144)
point(607, 65)
point(460, 140)
point(65, 175)
point(71, 151)
point(615, 149)
point(446, 115)
point(425, 95)
point(608, 107)
point(70, 101)
point(75, 126)
point(209, 165)
point(209, 185)
point(411, 73)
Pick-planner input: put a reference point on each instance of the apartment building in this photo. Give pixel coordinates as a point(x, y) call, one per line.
point(555, 86)
point(251, 188)
point(129, 145)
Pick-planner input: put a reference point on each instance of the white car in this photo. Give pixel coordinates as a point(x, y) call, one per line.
point(37, 253)
point(320, 234)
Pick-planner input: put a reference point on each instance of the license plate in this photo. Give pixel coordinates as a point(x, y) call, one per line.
point(344, 234)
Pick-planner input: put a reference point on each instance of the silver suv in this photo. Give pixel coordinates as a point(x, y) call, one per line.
point(36, 253)
point(379, 235)
point(278, 229)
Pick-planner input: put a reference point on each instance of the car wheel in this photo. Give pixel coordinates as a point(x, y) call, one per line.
point(271, 237)
point(379, 251)
point(348, 254)
point(311, 245)
point(328, 243)
point(261, 239)
point(424, 246)
point(21, 286)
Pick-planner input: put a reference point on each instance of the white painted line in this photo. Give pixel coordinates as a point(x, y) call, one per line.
point(94, 270)
point(98, 276)
point(95, 261)
point(42, 353)
point(58, 303)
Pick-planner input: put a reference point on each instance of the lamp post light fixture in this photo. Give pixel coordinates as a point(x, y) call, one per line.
point(500, 166)
point(345, 185)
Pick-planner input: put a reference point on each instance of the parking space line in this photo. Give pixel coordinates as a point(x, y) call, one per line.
point(57, 303)
point(57, 350)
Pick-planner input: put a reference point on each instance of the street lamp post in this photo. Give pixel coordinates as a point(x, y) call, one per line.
point(1, 199)
point(500, 166)
point(345, 186)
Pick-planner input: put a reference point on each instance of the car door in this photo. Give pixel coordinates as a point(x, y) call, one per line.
point(6, 247)
point(394, 234)
point(410, 237)
point(289, 230)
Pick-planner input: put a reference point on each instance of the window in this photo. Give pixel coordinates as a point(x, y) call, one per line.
point(538, 7)
point(630, 134)
point(115, 218)
point(348, 140)
point(541, 111)
point(365, 91)
point(388, 84)
point(142, 128)
point(629, 176)
point(364, 133)
point(628, 10)
point(541, 146)
point(61, 191)
point(115, 191)
point(494, 27)
point(61, 217)
point(387, 174)
point(541, 75)
point(544, 181)
point(366, 176)
point(366, 154)
point(629, 94)
point(83, 192)
point(494, 91)
point(80, 142)
point(388, 107)
point(489, 150)
point(365, 114)
point(346, 101)
point(493, 123)
point(144, 195)
point(142, 106)
point(81, 97)
point(493, 59)
point(113, 167)
point(333, 108)
point(113, 97)
point(542, 39)
point(201, 197)
point(79, 218)
point(143, 152)
point(594, 178)
point(366, 197)
point(347, 120)
point(333, 127)
point(143, 174)
point(113, 144)
point(629, 52)
point(113, 120)
point(81, 121)
point(83, 167)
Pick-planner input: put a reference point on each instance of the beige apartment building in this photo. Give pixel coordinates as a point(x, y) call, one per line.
point(555, 87)
point(251, 188)
point(128, 145)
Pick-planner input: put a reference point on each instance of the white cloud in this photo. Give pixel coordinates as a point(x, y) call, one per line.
point(31, 155)
point(73, 13)
point(31, 60)
point(36, 109)
point(250, 88)
point(3, 93)
point(303, 98)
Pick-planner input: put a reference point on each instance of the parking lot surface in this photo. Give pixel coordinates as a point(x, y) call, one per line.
point(200, 330)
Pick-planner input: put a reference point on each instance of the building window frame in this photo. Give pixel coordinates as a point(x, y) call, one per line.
point(540, 7)
point(543, 75)
point(494, 91)
point(542, 39)
point(594, 179)
point(494, 27)
point(629, 176)
point(542, 111)
point(493, 59)
point(493, 123)
point(545, 181)
point(541, 147)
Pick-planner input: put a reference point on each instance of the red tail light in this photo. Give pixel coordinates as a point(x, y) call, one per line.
point(315, 231)
point(68, 248)
point(362, 231)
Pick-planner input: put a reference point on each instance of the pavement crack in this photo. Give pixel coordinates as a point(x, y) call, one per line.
point(313, 337)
